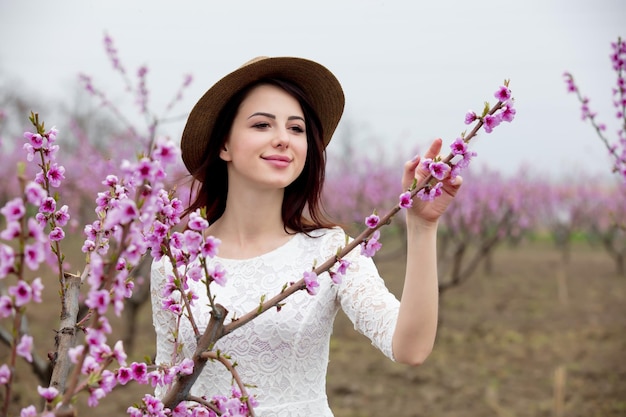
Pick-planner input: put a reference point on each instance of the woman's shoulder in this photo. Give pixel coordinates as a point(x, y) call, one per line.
point(326, 233)
point(161, 265)
point(325, 239)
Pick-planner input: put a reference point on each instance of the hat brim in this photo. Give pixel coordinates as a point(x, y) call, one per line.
point(317, 82)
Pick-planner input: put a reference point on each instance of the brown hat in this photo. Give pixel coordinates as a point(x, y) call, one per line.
point(315, 80)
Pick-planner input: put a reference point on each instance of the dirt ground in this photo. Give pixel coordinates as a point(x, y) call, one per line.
point(535, 337)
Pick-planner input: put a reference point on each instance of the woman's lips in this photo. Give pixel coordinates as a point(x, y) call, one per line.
point(279, 161)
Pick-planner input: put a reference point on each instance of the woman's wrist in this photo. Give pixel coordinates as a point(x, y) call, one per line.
point(420, 225)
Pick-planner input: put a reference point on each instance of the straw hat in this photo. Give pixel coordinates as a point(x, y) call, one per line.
point(315, 80)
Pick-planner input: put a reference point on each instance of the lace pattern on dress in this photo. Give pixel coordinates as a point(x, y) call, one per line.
point(284, 353)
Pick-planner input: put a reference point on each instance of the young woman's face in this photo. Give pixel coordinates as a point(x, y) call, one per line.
point(267, 143)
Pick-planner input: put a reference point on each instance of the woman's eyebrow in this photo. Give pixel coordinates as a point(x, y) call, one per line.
point(271, 116)
point(259, 113)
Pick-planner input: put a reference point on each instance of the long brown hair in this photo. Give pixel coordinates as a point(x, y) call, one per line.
point(304, 193)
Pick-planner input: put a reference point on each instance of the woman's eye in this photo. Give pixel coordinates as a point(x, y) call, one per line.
point(261, 125)
point(297, 129)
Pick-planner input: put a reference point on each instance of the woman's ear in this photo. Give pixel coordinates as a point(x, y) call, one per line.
point(224, 154)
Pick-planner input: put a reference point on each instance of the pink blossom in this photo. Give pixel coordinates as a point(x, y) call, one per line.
point(37, 288)
point(48, 205)
point(145, 169)
point(372, 221)
point(52, 134)
point(111, 180)
point(30, 152)
point(155, 378)
point(108, 381)
point(430, 193)
point(186, 367)
point(439, 170)
point(140, 372)
point(95, 395)
point(193, 240)
point(197, 222)
point(35, 139)
point(48, 394)
point(119, 354)
point(210, 246)
point(405, 200)
point(21, 292)
point(7, 260)
point(6, 306)
point(172, 305)
point(24, 347)
point(176, 240)
point(125, 212)
point(35, 193)
point(470, 116)
point(311, 282)
point(195, 273)
point(503, 94)
point(56, 234)
point(56, 175)
point(34, 254)
point(50, 152)
point(459, 147)
point(218, 274)
point(75, 353)
point(13, 230)
point(98, 300)
point(426, 163)
point(39, 178)
point(569, 80)
point(371, 245)
point(42, 219)
point(166, 152)
point(5, 374)
point(490, 122)
point(62, 216)
point(13, 210)
point(337, 276)
point(88, 246)
point(36, 230)
point(201, 412)
point(507, 113)
point(154, 406)
point(29, 411)
point(344, 264)
point(95, 337)
point(181, 411)
point(124, 375)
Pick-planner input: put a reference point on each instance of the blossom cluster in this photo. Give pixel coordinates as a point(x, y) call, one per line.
point(617, 149)
point(236, 405)
point(440, 169)
point(34, 241)
point(460, 155)
point(189, 252)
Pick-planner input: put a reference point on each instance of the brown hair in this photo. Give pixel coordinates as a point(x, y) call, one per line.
point(304, 192)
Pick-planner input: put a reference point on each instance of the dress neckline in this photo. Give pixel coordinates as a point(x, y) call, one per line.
point(284, 246)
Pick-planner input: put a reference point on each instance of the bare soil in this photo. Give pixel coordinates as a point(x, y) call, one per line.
point(535, 336)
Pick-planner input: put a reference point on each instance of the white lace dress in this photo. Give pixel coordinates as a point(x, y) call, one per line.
point(284, 353)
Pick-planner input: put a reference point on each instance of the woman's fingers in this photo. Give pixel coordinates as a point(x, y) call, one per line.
point(434, 149)
point(412, 168)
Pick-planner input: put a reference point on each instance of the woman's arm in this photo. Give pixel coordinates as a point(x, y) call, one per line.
point(416, 328)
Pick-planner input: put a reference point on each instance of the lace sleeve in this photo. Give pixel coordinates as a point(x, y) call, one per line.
point(367, 302)
point(164, 321)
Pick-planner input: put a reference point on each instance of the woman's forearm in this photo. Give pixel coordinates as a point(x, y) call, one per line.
point(416, 328)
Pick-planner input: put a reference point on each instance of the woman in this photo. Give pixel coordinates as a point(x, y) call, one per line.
point(255, 144)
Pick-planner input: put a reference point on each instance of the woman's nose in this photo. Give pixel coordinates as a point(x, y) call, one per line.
point(282, 138)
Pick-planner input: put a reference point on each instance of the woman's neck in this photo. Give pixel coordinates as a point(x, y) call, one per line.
point(251, 225)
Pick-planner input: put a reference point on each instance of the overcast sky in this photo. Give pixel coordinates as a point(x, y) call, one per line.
point(410, 69)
